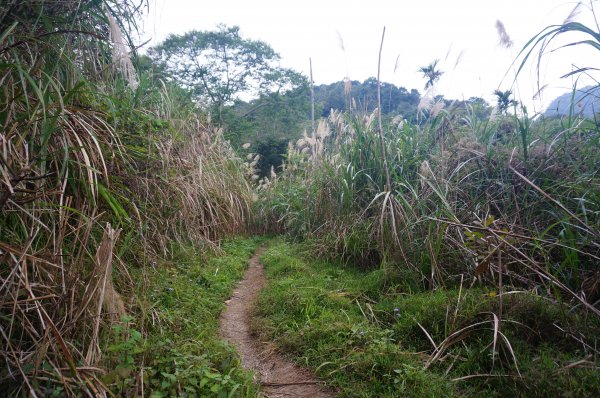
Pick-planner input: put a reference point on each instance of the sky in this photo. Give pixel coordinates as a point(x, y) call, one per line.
point(343, 37)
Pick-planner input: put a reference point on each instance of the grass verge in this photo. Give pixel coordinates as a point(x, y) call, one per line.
point(179, 349)
point(368, 334)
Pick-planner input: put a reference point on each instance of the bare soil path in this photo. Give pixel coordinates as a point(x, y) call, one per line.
point(279, 377)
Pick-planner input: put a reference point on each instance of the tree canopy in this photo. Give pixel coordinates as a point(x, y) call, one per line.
point(220, 67)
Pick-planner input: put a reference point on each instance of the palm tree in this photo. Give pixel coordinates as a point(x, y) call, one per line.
point(503, 100)
point(431, 73)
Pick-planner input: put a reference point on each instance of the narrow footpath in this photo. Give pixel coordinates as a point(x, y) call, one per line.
point(278, 376)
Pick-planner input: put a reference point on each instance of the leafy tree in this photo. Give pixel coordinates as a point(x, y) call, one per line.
point(268, 123)
point(479, 107)
point(477, 101)
point(431, 73)
point(273, 115)
point(220, 67)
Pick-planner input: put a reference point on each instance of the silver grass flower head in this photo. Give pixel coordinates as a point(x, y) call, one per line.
point(398, 121)
point(505, 40)
point(336, 117)
point(425, 171)
point(397, 63)
point(340, 41)
point(120, 53)
point(437, 108)
point(573, 14)
point(371, 118)
point(459, 58)
point(347, 85)
point(323, 129)
point(426, 101)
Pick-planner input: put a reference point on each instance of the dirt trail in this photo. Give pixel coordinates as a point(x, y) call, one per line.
point(279, 377)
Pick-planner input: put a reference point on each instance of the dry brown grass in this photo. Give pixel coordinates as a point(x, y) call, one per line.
point(92, 182)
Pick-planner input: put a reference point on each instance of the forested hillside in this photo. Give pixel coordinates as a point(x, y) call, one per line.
point(273, 120)
point(580, 102)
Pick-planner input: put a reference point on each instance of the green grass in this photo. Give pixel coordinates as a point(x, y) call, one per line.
point(362, 332)
point(181, 350)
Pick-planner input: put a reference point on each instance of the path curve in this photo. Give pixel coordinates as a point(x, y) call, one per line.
point(279, 377)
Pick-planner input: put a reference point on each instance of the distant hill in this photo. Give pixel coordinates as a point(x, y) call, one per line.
point(395, 100)
point(363, 96)
point(587, 103)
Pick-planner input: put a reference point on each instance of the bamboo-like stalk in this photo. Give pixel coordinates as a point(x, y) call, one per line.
point(388, 183)
point(312, 106)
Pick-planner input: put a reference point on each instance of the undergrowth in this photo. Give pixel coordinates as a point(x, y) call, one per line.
point(369, 333)
point(180, 352)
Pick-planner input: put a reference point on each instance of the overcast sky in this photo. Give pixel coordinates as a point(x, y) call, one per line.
point(460, 33)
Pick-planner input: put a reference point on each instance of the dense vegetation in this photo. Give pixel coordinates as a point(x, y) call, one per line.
point(103, 171)
point(450, 248)
point(456, 204)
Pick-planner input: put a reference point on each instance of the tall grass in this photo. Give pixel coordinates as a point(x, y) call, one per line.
point(466, 209)
point(506, 201)
point(100, 170)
